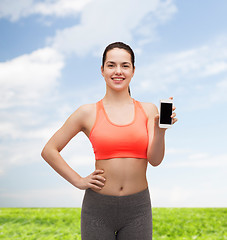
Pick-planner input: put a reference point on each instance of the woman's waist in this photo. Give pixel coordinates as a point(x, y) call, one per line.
point(123, 176)
point(123, 169)
point(116, 188)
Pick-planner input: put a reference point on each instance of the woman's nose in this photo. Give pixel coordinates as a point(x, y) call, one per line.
point(118, 69)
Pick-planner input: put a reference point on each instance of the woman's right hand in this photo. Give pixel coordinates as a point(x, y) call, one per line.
point(93, 181)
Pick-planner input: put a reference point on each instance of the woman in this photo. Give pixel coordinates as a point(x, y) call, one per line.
point(125, 136)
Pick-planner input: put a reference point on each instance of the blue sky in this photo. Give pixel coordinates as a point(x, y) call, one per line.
point(50, 57)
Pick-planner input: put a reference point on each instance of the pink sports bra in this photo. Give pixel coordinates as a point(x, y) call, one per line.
point(110, 140)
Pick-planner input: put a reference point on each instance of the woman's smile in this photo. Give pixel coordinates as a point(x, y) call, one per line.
point(118, 79)
point(118, 69)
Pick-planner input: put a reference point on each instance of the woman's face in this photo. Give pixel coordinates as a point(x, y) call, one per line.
point(118, 69)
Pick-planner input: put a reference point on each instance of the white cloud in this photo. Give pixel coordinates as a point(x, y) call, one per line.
point(196, 195)
point(180, 158)
point(14, 10)
point(18, 153)
point(177, 151)
point(187, 69)
point(31, 111)
point(215, 68)
point(171, 197)
point(103, 22)
point(27, 82)
point(25, 79)
point(24, 136)
point(195, 179)
point(60, 8)
point(67, 196)
point(219, 92)
point(79, 152)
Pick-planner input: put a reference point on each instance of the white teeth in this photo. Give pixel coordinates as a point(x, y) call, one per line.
point(117, 79)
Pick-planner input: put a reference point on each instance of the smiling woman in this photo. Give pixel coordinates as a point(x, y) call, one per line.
point(125, 136)
point(123, 65)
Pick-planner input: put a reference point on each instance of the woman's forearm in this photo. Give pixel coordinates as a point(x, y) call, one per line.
point(55, 160)
point(156, 148)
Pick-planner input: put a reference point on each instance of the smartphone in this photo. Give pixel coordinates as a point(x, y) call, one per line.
point(166, 109)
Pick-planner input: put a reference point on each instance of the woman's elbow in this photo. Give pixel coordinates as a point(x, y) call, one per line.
point(155, 162)
point(48, 151)
point(45, 151)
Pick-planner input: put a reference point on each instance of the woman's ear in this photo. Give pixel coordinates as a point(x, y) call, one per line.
point(134, 70)
point(102, 70)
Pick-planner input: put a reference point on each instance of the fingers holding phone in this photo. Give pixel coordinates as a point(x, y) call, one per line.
point(167, 114)
point(173, 116)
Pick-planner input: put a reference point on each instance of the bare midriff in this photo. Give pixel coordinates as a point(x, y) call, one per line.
point(124, 176)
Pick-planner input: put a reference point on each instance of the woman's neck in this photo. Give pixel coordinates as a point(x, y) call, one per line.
point(120, 97)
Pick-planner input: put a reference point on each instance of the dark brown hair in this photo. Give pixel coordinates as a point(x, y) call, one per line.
point(120, 45)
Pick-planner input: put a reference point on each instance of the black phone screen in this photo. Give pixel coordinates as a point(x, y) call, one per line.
point(165, 113)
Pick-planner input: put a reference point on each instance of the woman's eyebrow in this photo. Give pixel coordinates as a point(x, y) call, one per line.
point(121, 63)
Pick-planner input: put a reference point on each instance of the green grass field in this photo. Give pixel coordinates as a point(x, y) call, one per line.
point(64, 223)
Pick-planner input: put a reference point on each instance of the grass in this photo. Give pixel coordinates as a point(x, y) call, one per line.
point(190, 223)
point(64, 223)
point(40, 223)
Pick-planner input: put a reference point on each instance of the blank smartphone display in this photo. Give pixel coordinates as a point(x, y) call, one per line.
point(165, 114)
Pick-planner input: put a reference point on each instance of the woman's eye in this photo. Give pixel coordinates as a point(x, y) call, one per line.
point(125, 66)
point(110, 65)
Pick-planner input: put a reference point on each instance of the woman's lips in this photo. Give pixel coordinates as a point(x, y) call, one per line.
point(118, 79)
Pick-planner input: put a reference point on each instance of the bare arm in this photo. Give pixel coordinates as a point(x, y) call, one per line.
point(156, 145)
point(51, 152)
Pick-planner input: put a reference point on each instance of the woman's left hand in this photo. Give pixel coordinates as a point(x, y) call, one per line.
point(156, 120)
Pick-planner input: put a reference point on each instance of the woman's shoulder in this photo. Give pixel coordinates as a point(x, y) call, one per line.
point(83, 114)
point(149, 108)
point(85, 110)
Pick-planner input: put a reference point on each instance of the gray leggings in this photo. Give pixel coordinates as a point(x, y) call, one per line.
point(105, 217)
